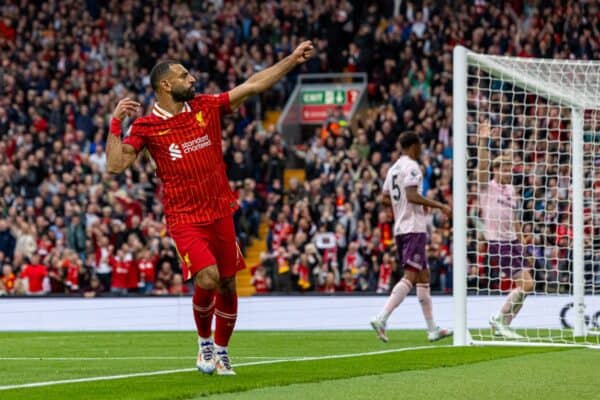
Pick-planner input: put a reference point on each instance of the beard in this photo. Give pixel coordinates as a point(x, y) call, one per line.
point(182, 94)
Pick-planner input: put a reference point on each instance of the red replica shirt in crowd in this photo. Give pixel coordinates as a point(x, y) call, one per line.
point(146, 268)
point(73, 276)
point(385, 273)
point(133, 274)
point(35, 275)
point(260, 284)
point(120, 272)
point(189, 159)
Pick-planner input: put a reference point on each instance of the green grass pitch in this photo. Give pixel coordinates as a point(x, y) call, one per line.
point(289, 365)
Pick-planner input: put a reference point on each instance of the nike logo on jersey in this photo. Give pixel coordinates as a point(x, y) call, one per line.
point(175, 151)
point(164, 132)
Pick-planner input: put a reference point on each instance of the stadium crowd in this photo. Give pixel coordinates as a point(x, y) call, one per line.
point(67, 226)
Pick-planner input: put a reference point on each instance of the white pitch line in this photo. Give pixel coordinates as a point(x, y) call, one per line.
point(129, 358)
point(175, 371)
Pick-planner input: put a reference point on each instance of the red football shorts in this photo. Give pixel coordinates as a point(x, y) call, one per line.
point(200, 246)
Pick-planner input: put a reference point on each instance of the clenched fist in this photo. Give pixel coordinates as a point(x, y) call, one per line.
point(303, 52)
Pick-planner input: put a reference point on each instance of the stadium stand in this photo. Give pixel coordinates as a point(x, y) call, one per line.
point(65, 65)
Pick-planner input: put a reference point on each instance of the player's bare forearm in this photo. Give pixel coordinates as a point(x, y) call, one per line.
point(413, 196)
point(265, 79)
point(483, 161)
point(483, 154)
point(260, 82)
point(119, 156)
point(423, 201)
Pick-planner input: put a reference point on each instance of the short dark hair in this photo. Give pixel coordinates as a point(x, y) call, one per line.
point(159, 71)
point(409, 138)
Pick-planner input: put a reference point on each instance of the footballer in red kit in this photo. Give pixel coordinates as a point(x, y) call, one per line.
point(183, 136)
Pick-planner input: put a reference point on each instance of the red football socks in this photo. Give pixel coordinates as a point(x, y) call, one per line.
point(204, 307)
point(226, 315)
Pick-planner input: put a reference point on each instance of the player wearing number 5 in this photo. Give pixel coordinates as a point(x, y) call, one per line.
point(402, 190)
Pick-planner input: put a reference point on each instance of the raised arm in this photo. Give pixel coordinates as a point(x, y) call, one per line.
point(266, 78)
point(483, 153)
point(120, 156)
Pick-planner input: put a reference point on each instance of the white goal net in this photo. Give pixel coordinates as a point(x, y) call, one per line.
point(526, 200)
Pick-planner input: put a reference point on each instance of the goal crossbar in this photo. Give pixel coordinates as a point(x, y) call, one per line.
point(565, 94)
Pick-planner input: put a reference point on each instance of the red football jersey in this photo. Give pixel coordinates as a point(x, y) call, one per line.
point(72, 278)
point(385, 274)
point(189, 159)
point(133, 274)
point(260, 284)
point(120, 272)
point(146, 268)
point(35, 274)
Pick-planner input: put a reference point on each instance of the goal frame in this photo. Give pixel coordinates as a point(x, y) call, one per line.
point(461, 58)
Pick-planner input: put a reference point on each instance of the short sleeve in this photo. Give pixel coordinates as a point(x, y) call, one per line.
point(135, 139)
point(413, 177)
point(387, 183)
point(221, 101)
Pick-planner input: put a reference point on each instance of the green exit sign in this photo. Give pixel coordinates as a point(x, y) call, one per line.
point(337, 97)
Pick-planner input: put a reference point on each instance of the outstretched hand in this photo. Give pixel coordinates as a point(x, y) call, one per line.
point(484, 129)
point(126, 107)
point(303, 52)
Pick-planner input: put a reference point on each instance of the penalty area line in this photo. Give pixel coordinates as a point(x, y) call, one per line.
point(247, 364)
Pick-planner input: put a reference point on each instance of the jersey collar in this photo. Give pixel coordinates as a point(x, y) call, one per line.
point(164, 114)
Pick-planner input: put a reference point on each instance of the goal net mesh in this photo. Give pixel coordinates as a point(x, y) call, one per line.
point(520, 120)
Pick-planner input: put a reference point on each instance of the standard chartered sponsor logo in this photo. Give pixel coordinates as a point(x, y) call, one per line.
point(177, 152)
point(196, 144)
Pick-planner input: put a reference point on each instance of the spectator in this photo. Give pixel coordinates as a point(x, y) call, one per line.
point(329, 285)
point(59, 85)
point(102, 266)
point(177, 286)
point(8, 279)
point(160, 289)
point(147, 270)
point(76, 235)
point(260, 280)
point(35, 277)
point(165, 275)
point(26, 240)
point(7, 240)
point(120, 265)
point(94, 288)
point(385, 270)
point(70, 265)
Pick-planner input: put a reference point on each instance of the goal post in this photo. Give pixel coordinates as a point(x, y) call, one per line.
point(459, 195)
point(544, 116)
